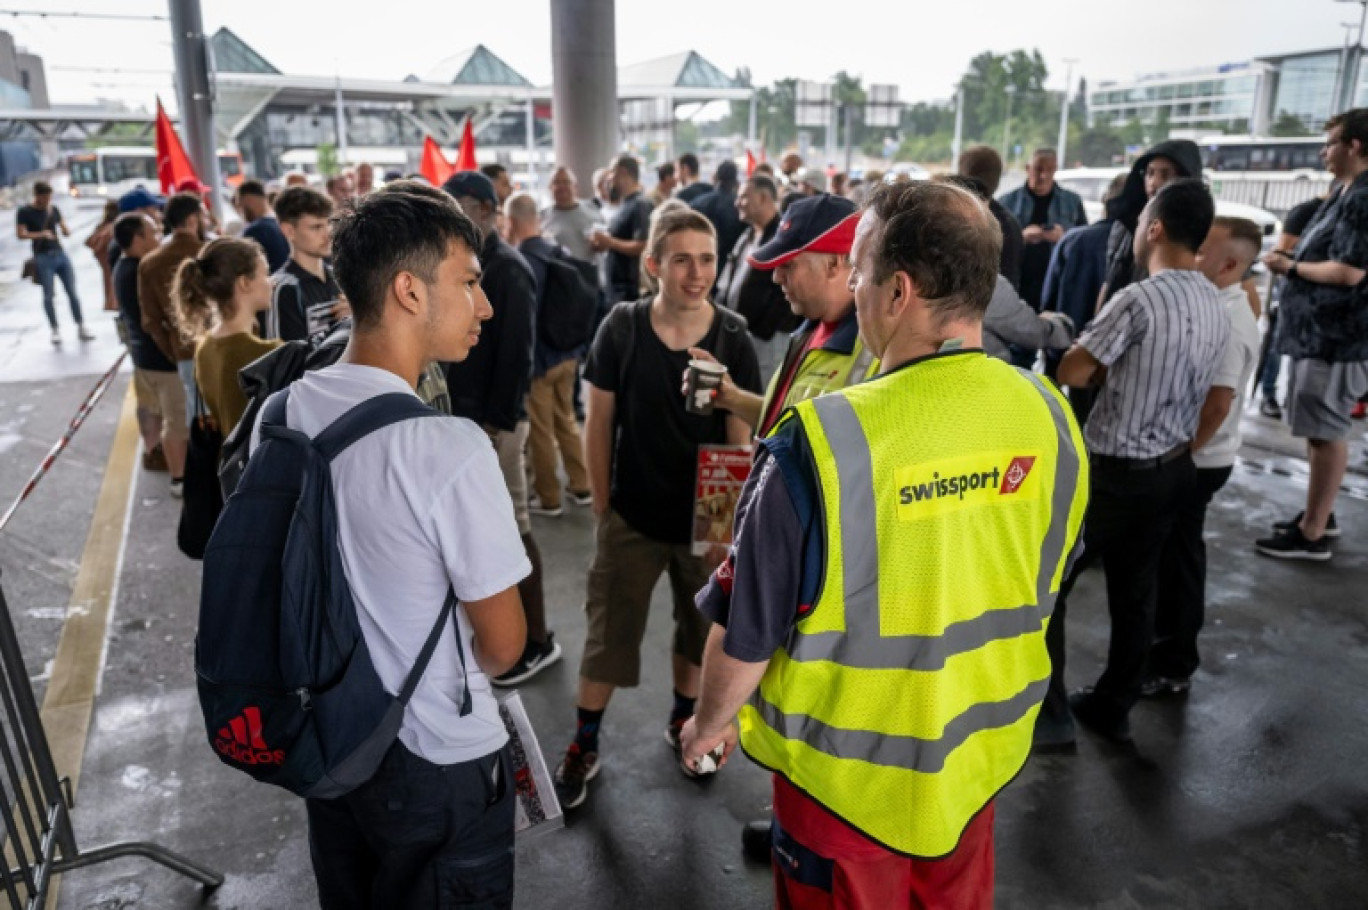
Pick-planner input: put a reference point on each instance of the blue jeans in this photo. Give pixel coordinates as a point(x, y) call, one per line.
point(55, 264)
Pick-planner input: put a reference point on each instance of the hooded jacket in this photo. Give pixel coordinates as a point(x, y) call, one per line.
point(1127, 207)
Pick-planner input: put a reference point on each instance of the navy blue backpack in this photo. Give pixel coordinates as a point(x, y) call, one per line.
point(285, 679)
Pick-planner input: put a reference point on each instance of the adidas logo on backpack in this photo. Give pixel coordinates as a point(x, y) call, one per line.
point(285, 679)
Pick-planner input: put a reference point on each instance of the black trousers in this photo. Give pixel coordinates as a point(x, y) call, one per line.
point(1130, 515)
point(418, 835)
point(1181, 608)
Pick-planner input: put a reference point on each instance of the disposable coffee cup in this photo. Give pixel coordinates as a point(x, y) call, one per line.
point(705, 378)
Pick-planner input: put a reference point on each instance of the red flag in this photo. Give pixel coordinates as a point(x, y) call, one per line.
point(465, 160)
point(750, 164)
point(435, 166)
point(173, 165)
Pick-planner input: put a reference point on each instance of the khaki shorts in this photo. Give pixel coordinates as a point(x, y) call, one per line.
point(509, 445)
point(626, 567)
point(1320, 396)
point(161, 393)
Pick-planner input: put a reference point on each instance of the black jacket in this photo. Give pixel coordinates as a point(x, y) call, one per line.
point(761, 301)
point(489, 386)
point(719, 207)
point(1127, 207)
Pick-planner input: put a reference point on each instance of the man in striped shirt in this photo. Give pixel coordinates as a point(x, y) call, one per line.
point(1154, 349)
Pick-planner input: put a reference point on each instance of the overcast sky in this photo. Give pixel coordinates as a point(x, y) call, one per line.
point(882, 40)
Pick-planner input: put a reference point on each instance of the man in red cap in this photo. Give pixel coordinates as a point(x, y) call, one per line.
point(810, 259)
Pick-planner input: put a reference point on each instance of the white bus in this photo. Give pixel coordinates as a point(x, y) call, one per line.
point(108, 173)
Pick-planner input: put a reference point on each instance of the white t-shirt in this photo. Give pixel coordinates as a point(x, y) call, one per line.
point(421, 506)
point(1237, 366)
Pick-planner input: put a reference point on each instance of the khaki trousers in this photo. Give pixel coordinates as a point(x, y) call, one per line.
point(551, 412)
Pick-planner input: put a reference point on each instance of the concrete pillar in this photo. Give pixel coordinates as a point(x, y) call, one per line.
point(340, 113)
point(196, 96)
point(584, 75)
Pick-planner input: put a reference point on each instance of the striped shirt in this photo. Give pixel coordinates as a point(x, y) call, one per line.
point(1162, 340)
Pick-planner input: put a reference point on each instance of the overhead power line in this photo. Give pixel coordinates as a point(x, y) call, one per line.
point(47, 14)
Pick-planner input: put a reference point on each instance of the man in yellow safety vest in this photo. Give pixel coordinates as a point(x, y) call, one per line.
point(879, 625)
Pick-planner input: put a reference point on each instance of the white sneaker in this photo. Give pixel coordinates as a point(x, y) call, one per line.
point(177, 488)
point(56, 337)
point(84, 333)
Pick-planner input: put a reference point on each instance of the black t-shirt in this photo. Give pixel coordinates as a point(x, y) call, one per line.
point(632, 222)
point(1035, 257)
point(37, 220)
point(655, 445)
point(294, 290)
point(1299, 217)
point(144, 351)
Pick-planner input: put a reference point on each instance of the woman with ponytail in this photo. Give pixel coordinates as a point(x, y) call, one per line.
point(218, 295)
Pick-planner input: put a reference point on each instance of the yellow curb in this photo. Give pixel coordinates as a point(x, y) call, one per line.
point(79, 661)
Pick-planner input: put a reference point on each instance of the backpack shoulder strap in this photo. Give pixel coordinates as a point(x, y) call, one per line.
point(367, 417)
point(425, 655)
point(273, 411)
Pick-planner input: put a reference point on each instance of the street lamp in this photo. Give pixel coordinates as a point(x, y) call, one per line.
point(1064, 114)
point(1007, 124)
point(1351, 73)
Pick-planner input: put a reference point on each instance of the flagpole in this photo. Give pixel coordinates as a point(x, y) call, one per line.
point(196, 94)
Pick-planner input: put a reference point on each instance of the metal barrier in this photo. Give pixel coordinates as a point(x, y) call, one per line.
point(35, 804)
point(1276, 193)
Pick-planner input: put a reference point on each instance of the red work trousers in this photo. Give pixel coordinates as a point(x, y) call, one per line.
point(821, 863)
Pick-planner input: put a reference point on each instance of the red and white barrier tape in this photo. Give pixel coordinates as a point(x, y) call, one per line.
point(81, 414)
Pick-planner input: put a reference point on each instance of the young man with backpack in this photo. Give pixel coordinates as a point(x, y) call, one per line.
point(642, 449)
point(421, 521)
point(567, 296)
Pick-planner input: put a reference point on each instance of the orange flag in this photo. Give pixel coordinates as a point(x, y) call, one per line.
point(750, 164)
point(435, 166)
point(173, 165)
point(465, 160)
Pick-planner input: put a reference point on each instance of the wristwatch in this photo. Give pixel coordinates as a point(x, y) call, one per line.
point(1292, 270)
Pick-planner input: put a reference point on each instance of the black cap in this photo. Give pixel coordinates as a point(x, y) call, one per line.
point(472, 184)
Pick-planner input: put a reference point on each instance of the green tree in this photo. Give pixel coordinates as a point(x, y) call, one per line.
point(1290, 125)
point(1098, 147)
point(327, 159)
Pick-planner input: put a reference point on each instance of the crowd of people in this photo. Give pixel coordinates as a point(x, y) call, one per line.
point(1076, 392)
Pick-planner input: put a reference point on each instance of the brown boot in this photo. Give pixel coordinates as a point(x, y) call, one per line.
point(155, 460)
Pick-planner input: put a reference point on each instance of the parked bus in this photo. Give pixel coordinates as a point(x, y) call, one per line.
point(1262, 154)
point(108, 173)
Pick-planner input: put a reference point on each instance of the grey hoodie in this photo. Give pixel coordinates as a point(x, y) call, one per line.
point(1011, 320)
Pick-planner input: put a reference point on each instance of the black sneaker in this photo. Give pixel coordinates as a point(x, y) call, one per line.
point(1292, 544)
point(757, 841)
point(573, 774)
point(535, 659)
point(1097, 718)
point(1332, 530)
point(1269, 408)
point(1164, 687)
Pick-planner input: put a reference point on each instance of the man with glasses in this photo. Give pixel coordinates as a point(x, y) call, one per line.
point(1324, 329)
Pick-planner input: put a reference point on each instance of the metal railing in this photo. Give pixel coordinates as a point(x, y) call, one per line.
point(35, 804)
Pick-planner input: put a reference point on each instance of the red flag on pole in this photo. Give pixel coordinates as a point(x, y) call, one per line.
point(465, 160)
point(750, 164)
point(435, 166)
point(173, 165)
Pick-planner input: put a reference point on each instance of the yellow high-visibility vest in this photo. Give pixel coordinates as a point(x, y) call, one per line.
point(821, 371)
point(953, 492)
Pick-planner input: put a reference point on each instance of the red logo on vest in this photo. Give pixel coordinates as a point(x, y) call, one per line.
point(1016, 474)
